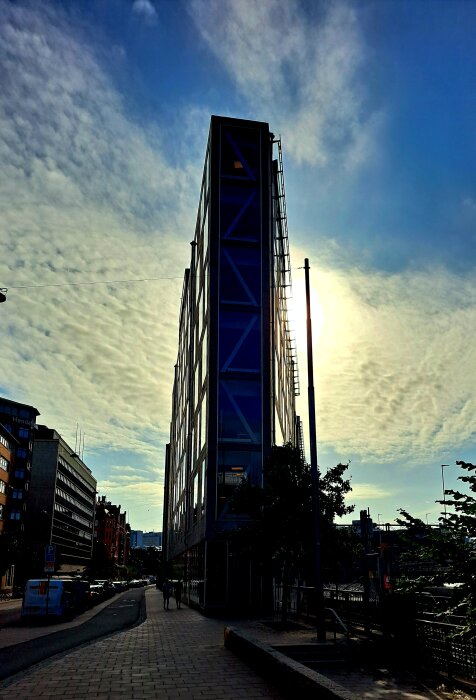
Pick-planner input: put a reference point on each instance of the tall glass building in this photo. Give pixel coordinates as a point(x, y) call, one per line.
point(236, 373)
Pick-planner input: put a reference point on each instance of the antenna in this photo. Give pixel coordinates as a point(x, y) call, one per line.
point(76, 440)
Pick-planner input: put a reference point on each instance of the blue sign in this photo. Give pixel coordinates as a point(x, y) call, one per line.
point(50, 553)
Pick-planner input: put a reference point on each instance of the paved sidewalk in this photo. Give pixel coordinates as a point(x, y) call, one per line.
point(173, 654)
point(181, 654)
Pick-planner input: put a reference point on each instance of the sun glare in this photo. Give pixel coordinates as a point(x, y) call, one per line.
point(298, 313)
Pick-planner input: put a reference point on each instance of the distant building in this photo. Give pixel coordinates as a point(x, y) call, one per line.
point(113, 531)
point(142, 540)
point(152, 539)
point(61, 500)
point(236, 372)
point(20, 420)
point(136, 539)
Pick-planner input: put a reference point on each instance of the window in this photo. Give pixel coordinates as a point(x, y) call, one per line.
point(23, 433)
point(17, 493)
point(1, 512)
point(19, 473)
point(5, 442)
point(3, 487)
point(21, 452)
point(3, 463)
point(15, 515)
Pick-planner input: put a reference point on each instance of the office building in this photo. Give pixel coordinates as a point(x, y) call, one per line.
point(62, 500)
point(236, 372)
point(152, 539)
point(136, 539)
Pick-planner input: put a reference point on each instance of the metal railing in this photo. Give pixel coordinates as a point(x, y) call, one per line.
point(445, 648)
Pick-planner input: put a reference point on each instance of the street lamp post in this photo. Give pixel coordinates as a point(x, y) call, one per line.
point(320, 622)
point(443, 485)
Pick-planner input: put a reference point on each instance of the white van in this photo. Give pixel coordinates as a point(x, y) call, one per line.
point(49, 597)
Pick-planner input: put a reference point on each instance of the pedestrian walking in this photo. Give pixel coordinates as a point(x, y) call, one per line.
point(166, 592)
point(178, 593)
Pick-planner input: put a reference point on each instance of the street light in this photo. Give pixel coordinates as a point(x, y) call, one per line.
point(443, 485)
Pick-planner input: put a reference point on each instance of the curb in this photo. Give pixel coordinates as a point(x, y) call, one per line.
point(294, 676)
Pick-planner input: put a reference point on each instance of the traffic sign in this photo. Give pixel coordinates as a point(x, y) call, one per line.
point(50, 554)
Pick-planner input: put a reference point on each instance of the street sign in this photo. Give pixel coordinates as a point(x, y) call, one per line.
point(50, 558)
point(50, 553)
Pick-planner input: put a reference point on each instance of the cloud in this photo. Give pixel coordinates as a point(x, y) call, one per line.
point(366, 492)
point(87, 196)
point(146, 10)
point(306, 73)
point(393, 361)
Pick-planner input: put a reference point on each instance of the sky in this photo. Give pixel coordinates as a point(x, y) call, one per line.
point(104, 115)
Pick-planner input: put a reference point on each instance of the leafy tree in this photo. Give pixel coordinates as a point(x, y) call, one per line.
point(281, 526)
point(449, 551)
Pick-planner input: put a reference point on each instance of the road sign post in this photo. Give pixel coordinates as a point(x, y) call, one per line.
point(50, 558)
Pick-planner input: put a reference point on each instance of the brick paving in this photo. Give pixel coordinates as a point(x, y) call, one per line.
point(173, 654)
point(180, 654)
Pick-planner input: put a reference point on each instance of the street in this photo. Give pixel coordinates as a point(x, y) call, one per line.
point(25, 645)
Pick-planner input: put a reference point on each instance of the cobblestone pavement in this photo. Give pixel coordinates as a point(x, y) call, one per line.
point(173, 654)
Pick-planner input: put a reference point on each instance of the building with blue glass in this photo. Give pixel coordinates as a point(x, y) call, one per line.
point(236, 373)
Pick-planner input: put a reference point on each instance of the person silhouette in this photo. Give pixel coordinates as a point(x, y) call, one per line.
point(178, 593)
point(166, 592)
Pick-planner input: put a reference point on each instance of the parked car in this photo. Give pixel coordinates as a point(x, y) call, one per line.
point(120, 586)
point(135, 583)
point(108, 588)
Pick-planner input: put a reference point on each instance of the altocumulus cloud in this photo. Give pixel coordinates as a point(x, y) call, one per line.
point(394, 362)
point(305, 73)
point(86, 195)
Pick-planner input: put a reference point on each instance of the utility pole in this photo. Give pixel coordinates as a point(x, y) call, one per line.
point(443, 486)
point(320, 622)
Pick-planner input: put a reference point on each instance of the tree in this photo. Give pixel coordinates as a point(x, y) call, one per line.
point(451, 549)
point(280, 525)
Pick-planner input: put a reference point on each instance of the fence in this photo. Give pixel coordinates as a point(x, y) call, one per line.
point(348, 603)
point(446, 650)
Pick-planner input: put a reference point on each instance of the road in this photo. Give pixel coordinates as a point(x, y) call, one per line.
point(27, 645)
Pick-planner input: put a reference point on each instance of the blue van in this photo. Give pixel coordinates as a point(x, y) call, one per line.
point(52, 597)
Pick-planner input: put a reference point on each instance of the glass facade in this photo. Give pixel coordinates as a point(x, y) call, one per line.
point(232, 384)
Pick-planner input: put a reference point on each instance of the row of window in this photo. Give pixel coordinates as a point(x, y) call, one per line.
point(90, 489)
point(73, 487)
point(4, 464)
point(62, 509)
point(23, 433)
point(5, 442)
point(18, 494)
point(70, 499)
point(16, 411)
